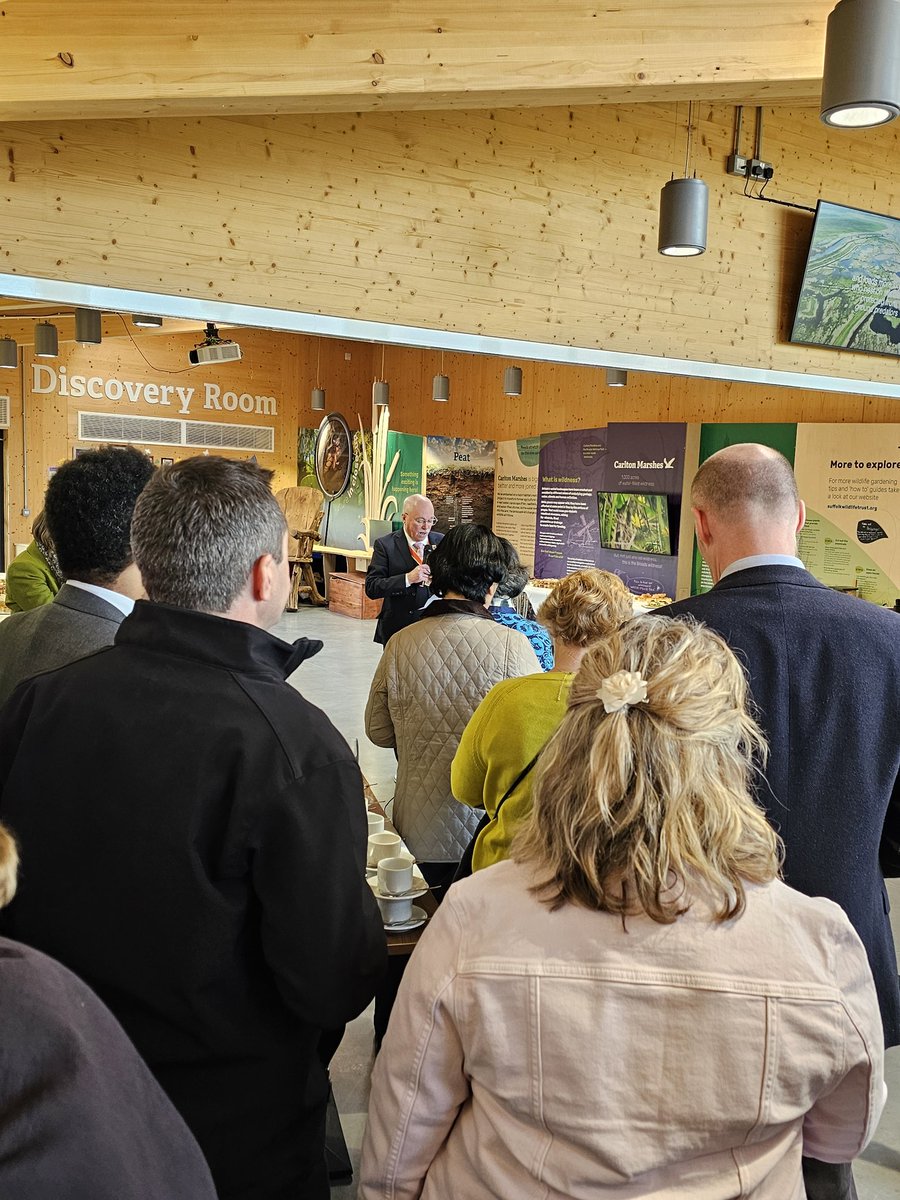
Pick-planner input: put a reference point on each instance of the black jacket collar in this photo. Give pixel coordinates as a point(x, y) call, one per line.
point(770, 573)
point(466, 608)
point(216, 641)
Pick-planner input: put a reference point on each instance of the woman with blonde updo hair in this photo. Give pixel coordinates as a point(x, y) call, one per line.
point(633, 1005)
point(80, 1113)
point(494, 763)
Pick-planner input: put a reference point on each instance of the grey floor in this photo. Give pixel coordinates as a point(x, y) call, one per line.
point(338, 680)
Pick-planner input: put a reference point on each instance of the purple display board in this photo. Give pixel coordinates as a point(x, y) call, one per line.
point(599, 506)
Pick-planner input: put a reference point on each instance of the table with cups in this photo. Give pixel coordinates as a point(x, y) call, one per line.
point(403, 896)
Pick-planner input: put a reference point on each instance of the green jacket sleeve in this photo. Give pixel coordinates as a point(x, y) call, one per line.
point(29, 581)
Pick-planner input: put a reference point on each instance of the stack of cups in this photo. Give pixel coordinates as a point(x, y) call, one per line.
point(395, 872)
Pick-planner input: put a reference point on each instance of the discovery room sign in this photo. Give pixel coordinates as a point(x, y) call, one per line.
point(48, 380)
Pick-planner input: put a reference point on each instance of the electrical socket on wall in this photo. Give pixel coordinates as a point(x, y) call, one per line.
point(748, 168)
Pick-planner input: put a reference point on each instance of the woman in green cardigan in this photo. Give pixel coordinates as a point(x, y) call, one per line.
point(518, 716)
point(33, 578)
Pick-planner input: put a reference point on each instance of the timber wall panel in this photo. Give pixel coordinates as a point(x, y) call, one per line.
point(538, 224)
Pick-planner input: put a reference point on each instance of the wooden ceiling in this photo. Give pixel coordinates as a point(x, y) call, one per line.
point(105, 59)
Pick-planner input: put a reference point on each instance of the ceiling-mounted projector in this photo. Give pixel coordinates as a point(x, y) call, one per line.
point(214, 349)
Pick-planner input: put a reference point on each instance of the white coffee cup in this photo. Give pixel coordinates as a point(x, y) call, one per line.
point(394, 908)
point(395, 876)
point(382, 845)
point(376, 822)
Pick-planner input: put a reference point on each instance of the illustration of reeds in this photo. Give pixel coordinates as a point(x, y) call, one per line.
point(376, 480)
point(633, 522)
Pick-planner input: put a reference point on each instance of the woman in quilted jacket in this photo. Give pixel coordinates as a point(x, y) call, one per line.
point(431, 678)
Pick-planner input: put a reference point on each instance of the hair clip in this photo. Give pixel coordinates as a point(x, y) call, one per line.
point(622, 690)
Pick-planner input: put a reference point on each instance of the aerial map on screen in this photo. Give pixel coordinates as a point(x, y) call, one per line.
point(850, 298)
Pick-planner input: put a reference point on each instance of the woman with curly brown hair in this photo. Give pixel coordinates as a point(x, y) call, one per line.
point(493, 766)
point(634, 1006)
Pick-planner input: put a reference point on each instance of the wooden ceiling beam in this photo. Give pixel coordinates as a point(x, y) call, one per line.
point(119, 58)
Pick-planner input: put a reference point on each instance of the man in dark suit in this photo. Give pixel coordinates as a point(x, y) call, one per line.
point(88, 508)
point(824, 670)
point(399, 572)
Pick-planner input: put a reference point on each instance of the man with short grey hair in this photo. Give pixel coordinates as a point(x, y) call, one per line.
point(399, 574)
point(194, 834)
point(824, 670)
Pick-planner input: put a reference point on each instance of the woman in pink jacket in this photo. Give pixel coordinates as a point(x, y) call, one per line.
point(633, 1006)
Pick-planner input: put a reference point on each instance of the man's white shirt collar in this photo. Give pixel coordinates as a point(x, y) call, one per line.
point(762, 560)
point(123, 603)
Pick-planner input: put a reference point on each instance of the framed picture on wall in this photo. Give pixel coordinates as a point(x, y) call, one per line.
point(333, 455)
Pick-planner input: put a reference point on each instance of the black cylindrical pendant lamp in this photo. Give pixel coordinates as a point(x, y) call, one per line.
point(616, 377)
point(46, 340)
point(683, 217)
point(440, 388)
point(381, 392)
point(861, 76)
point(145, 322)
point(9, 352)
point(87, 327)
point(318, 399)
point(512, 381)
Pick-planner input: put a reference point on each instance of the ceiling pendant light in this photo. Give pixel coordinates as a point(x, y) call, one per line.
point(318, 392)
point(512, 381)
point(46, 340)
point(145, 322)
point(87, 327)
point(861, 75)
point(684, 208)
point(9, 352)
point(381, 391)
point(440, 385)
point(616, 377)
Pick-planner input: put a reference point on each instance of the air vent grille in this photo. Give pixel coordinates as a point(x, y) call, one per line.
point(4, 412)
point(229, 437)
point(163, 431)
point(115, 427)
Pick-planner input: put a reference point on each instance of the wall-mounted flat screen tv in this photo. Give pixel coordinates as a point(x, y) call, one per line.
point(634, 521)
point(850, 298)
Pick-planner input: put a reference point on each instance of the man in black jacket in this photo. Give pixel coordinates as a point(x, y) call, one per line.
point(399, 571)
point(825, 672)
point(194, 834)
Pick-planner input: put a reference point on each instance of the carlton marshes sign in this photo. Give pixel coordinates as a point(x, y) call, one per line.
point(208, 396)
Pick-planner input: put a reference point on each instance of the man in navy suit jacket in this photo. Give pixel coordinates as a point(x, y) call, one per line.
point(399, 572)
point(824, 670)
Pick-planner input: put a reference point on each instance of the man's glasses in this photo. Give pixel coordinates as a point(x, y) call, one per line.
point(424, 521)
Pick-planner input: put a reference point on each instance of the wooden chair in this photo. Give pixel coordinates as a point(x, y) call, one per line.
point(303, 508)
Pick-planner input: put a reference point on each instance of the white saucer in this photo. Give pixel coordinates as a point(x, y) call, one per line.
point(418, 917)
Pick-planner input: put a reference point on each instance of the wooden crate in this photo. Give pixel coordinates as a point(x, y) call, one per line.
point(347, 595)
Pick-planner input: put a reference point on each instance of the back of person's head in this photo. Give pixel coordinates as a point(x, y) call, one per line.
point(585, 606)
point(747, 482)
point(41, 532)
point(468, 560)
point(199, 527)
point(645, 789)
point(89, 506)
point(514, 576)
